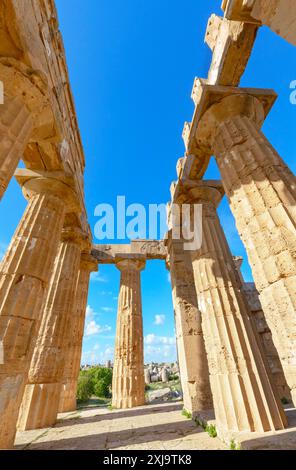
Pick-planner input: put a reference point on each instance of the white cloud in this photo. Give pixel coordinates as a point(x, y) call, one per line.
point(155, 340)
point(159, 319)
point(93, 328)
point(97, 277)
point(89, 312)
point(107, 309)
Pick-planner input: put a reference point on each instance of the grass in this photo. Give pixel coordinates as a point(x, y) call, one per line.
point(187, 414)
point(172, 384)
point(209, 428)
point(94, 402)
point(234, 445)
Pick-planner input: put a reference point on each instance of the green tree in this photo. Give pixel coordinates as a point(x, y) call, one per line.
point(84, 388)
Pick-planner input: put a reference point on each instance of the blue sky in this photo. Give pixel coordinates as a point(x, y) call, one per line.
point(132, 65)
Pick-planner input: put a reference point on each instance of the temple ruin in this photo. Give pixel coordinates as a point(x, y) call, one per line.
point(235, 340)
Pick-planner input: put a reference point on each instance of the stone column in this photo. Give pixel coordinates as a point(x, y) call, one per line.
point(25, 114)
point(244, 399)
point(265, 337)
point(24, 276)
point(88, 264)
point(262, 194)
point(15, 129)
point(193, 364)
point(42, 393)
point(128, 386)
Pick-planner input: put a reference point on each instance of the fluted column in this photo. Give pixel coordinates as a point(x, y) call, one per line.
point(128, 387)
point(244, 399)
point(262, 194)
point(73, 352)
point(25, 115)
point(193, 364)
point(15, 128)
point(42, 393)
point(24, 276)
point(265, 337)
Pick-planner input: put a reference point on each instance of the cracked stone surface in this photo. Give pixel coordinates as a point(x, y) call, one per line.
point(158, 427)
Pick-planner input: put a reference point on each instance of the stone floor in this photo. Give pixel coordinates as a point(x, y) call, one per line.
point(151, 427)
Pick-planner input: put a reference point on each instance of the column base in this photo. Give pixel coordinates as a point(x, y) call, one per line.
point(40, 406)
point(128, 402)
point(68, 397)
point(11, 390)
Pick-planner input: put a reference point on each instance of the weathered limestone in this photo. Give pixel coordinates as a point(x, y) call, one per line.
point(262, 194)
point(144, 249)
point(75, 335)
point(193, 364)
point(128, 387)
point(279, 15)
point(232, 43)
point(42, 393)
point(265, 336)
point(24, 276)
point(24, 115)
point(15, 129)
point(244, 399)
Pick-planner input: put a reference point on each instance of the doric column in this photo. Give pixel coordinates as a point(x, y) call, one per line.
point(193, 364)
point(128, 387)
point(24, 276)
point(25, 115)
point(262, 330)
point(262, 194)
point(73, 352)
point(42, 393)
point(244, 399)
point(15, 129)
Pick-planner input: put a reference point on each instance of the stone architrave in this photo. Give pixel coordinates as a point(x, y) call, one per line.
point(128, 386)
point(261, 191)
point(42, 393)
point(88, 264)
point(193, 364)
point(244, 398)
point(279, 15)
point(25, 273)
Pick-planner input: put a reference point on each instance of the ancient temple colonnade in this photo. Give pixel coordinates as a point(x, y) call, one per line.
point(38, 125)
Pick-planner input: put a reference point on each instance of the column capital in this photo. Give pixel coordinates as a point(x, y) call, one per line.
point(131, 264)
point(31, 88)
point(76, 235)
point(194, 192)
point(215, 104)
point(88, 263)
point(55, 183)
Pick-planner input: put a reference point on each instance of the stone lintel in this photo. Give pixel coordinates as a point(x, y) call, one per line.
point(231, 43)
point(137, 249)
point(205, 96)
point(57, 183)
point(239, 10)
